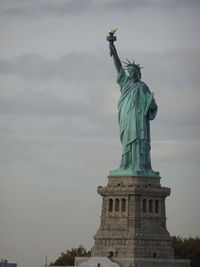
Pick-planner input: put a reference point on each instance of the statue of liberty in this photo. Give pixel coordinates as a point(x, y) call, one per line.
point(136, 107)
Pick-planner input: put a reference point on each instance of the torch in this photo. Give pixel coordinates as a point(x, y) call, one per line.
point(111, 38)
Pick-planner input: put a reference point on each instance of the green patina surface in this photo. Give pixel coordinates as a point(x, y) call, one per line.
point(136, 107)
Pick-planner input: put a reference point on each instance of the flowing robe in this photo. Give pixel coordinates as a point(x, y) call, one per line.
point(136, 107)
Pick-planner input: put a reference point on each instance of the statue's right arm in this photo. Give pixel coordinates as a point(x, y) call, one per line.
point(113, 53)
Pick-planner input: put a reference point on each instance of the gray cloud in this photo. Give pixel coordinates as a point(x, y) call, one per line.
point(36, 8)
point(32, 8)
point(168, 74)
point(178, 67)
point(69, 67)
point(129, 4)
point(41, 104)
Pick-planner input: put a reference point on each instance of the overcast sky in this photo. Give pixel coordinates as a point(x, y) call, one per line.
point(58, 115)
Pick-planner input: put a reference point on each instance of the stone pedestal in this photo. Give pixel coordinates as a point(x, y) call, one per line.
point(133, 219)
point(133, 229)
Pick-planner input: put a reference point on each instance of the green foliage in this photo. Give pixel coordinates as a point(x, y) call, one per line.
point(184, 248)
point(187, 248)
point(68, 257)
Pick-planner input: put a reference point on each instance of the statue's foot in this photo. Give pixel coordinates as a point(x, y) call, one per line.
point(121, 171)
point(131, 172)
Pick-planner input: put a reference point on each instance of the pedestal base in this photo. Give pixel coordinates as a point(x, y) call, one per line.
point(129, 262)
point(133, 223)
point(142, 262)
point(129, 172)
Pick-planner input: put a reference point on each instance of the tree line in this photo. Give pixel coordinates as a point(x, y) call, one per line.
point(184, 248)
point(187, 248)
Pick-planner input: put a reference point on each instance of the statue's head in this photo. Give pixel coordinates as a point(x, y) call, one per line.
point(134, 70)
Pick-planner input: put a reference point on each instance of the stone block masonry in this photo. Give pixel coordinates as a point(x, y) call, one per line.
point(133, 219)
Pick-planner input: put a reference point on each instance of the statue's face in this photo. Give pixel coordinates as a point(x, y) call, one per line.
point(134, 74)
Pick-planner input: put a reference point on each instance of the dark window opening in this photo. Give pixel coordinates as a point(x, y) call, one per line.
point(144, 205)
point(123, 204)
point(117, 204)
point(110, 206)
point(157, 206)
point(150, 205)
point(154, 255)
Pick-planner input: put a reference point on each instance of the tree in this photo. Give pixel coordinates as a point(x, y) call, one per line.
point(187, 248)
point(68, 257)
point(184, 248)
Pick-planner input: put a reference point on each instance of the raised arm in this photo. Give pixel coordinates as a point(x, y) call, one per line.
point(113, 53)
